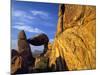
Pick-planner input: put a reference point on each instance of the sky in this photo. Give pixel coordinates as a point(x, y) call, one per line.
point(34, 18)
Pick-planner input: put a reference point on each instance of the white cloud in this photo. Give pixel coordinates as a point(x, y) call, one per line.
point(19, 23)
point(22, 14)
point(28, 16)
point(40, 13)
point(27, 28)
point(18, 13)
point(35, 13)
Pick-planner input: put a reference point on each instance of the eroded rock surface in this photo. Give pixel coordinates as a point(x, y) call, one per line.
point(24, 48)
point(16, 62)
point(39, 39)
point(75, 38)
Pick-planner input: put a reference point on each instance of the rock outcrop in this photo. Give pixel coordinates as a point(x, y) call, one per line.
point(25, 51)
point(42, 61)
point(41, 64)
point(23, 46)
point(74, 46)
point(47, 54)
point(22, 60)
point(16, 61)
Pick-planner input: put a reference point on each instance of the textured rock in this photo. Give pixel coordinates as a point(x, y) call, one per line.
point(42, 61)
point(22, 60)
point(49, 49)
point(14, 53)
point(25, 52)
point(23, 47)
point(16, 65)
point(60, 19)
point(75, 39)
point(39, 39)
point(16, 61)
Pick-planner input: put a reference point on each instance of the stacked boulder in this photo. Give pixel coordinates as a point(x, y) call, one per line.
point(22, 60)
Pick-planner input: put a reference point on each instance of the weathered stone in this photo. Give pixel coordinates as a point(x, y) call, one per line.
point(60, 19)
point(47, 54)
point(40, 39)
point(76, 43)
point(42, 61)
point(42, 64)
point(16, 62)
point(22, 60)
point(14, 53)
point(61, 64)
point(24, 48)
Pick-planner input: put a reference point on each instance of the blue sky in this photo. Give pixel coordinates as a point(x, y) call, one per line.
point(33, 18)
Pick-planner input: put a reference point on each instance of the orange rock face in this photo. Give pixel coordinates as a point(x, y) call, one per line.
point(75, 38)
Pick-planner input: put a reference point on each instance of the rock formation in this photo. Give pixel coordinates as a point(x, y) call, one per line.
point(47, 54)
point(74, 43)
point(60, 19)
point(14, 53)
point(40, 39)
point(16, 61)
point(22, 60)
point(73, 47)
point(42, 61)
point(25, 51)
point(23, 46)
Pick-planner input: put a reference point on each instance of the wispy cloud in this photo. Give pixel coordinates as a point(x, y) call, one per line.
point(37, 12)
point(22, 14)
point(19, 13)
point(27, 28)
point(42, 14)
point(19, 23)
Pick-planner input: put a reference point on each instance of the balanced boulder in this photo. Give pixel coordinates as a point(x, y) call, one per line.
point(39, 39)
